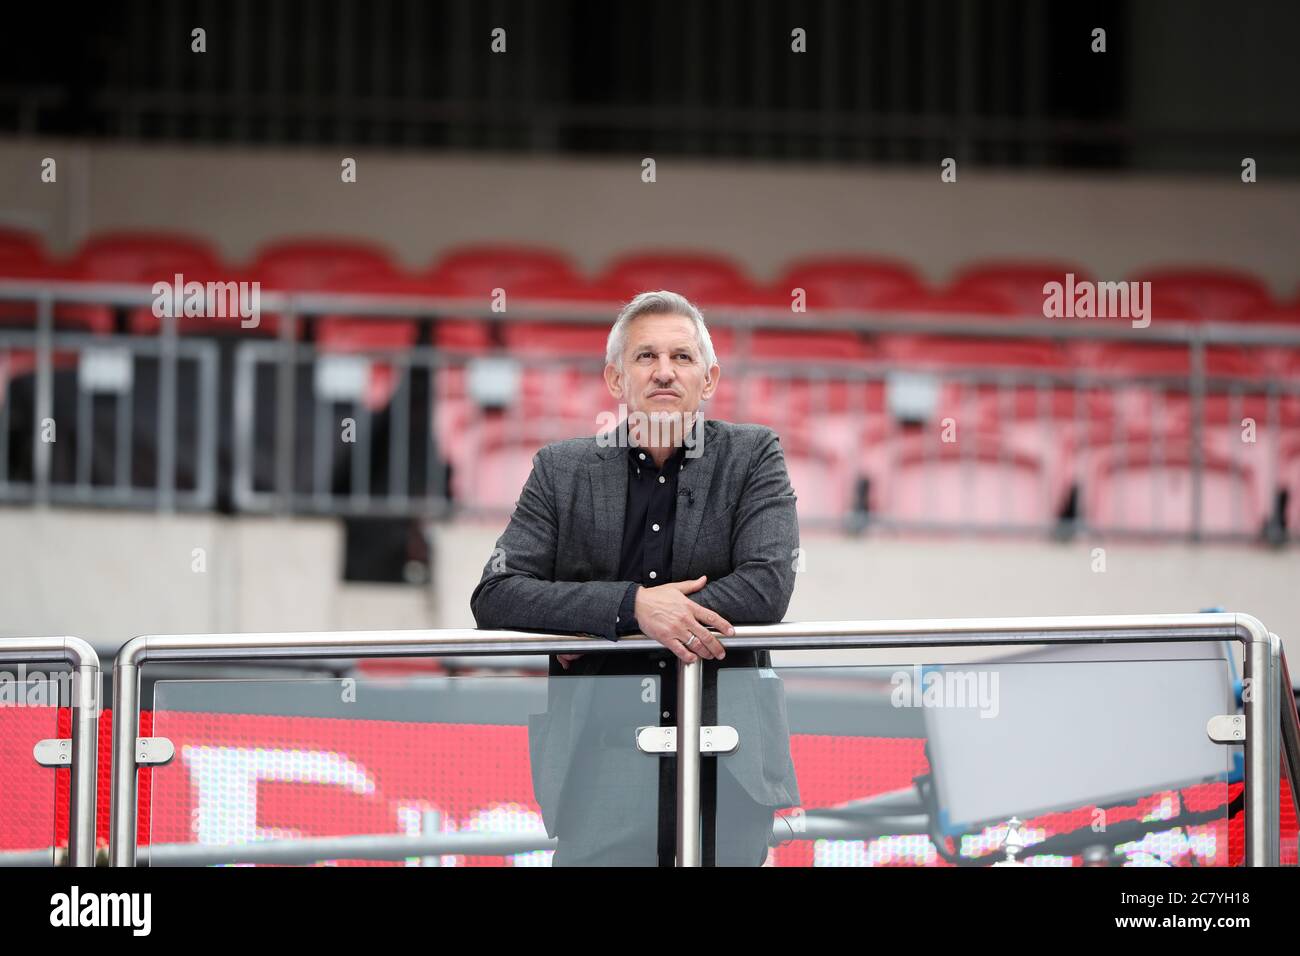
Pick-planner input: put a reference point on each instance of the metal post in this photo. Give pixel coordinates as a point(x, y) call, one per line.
point(44, 396)
point(85, 759)
point(167, 359)
point(1198, 429)
point(690, 687)
point(1263, 741)
point(205, 487)
point(126, 727)
point(285, 410)
point(1290, 728)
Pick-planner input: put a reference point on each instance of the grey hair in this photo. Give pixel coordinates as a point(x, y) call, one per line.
point(662, 302)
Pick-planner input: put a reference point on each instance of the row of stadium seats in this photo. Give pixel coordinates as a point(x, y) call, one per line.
point(997, 289)
point(1003, 291)
point(1022, 449)
point(1015, 456)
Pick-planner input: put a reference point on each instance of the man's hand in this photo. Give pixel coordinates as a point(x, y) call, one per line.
point(567, 659)
point(670, 617)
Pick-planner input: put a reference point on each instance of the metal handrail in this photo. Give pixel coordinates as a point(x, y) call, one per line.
point(81, 656)
point(1262, 670)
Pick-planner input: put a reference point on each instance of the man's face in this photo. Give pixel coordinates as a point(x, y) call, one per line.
point(662, 367)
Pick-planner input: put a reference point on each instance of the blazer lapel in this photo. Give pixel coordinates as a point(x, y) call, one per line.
point(693, 485)
point(608, 477)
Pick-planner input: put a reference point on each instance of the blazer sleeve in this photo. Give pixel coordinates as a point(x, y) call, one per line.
point(518, 590)
point(764, 543)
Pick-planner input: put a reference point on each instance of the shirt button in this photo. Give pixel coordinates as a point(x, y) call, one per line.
point(654, 527)
point(662, 479)
point(641, 456)
point(663, 663)
point(653, 575)
point(617, 619)
point(666, 714)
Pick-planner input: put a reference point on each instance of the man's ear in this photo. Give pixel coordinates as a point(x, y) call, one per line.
point(711, 382)
point(614, 380)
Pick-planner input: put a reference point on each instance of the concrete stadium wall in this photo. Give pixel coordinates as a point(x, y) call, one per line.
point(762, 214)
point(110, 576)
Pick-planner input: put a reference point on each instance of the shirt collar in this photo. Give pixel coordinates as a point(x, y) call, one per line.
point(634, 451)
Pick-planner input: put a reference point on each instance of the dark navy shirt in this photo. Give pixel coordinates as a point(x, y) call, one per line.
point(646, 557)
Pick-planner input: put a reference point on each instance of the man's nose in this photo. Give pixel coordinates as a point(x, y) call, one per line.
point(664, 371)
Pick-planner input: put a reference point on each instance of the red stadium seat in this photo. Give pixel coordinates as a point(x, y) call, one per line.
point(1161, 359)
point(354, 332)
point(561, 338)
point(847, 282)
point(142, 258)
point(142, 321)
point(482, 268)
point(1290, 480)
point(982, 307)
point(805, 376)
point(1261, 444)
point(1213, 294)
point(553, 338)
point(978, 479)
point(1018, 282)
point(22, 255)
point(1276, 361)
point(494, 462)
point(351, 335)
point(779, 345)
point(147, 257)
point(1134, 486)
point(1283, 314)
point(307, 264)
point(948, 350)
point(821, 478)
point(704, 278)
point(361, 335)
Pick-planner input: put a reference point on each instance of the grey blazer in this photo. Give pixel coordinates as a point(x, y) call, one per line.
point(555, 568)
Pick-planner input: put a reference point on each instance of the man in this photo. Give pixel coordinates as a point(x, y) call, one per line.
point(671, 525)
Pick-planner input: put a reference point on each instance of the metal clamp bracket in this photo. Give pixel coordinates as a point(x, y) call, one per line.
point(663, 740)
point(54, 752)
point(1227, 729)
point(153, 751)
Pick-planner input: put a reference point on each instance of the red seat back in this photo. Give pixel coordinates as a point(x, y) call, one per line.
point(319, 263)
point(848, 282)
point(1021, 283)
point(1219, 295)
point(700, 276)
point(482, 268)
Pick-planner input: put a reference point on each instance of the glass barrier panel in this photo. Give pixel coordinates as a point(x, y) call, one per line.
point(1062, 756)
point(475, 769)
point(29, 699)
